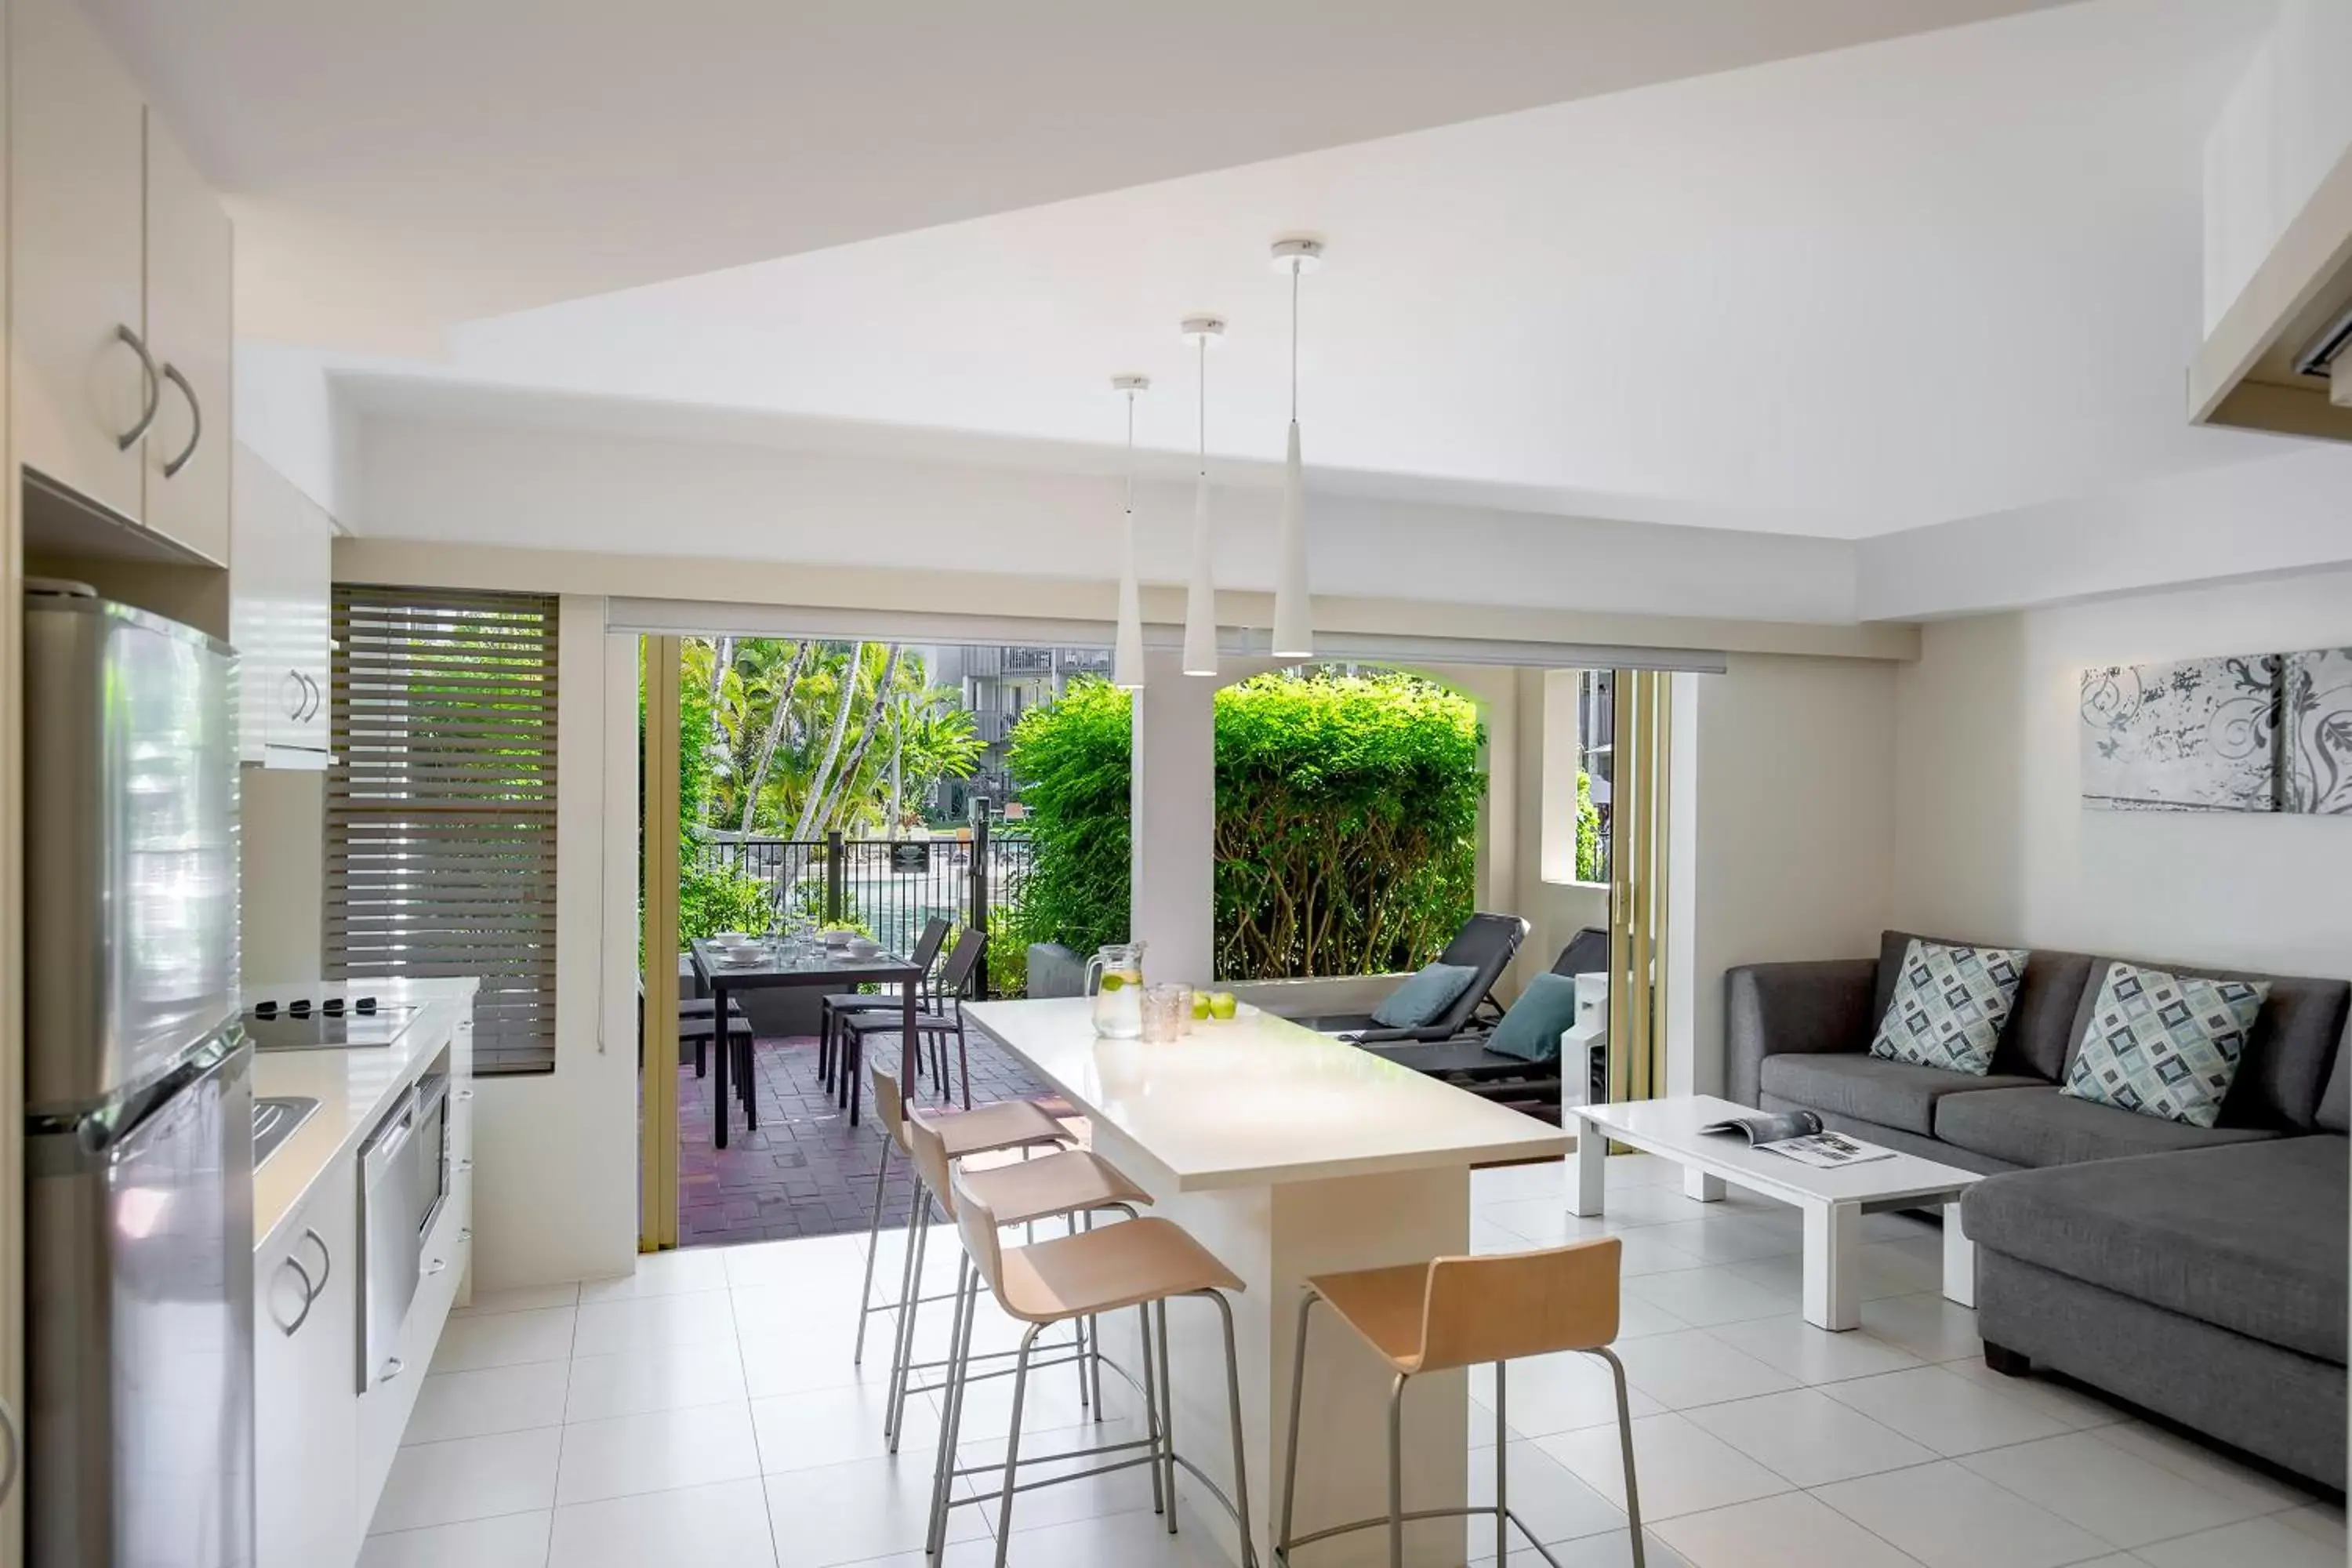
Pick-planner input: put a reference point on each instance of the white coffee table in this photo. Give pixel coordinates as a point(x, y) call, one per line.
point(1833, 1202)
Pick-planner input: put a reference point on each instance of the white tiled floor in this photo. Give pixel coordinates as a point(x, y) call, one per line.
point(705, 1411)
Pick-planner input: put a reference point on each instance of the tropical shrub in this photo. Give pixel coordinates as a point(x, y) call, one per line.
point(1074, 758)
point(1347, 821)
point(715, 898)
point(1591, 856)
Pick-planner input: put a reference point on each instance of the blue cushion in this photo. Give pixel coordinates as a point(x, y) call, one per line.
point(1424, 996)
point(1531, 1029)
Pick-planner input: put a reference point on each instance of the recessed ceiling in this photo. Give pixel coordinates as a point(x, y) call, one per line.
point(1842, 295)
point(395, 168)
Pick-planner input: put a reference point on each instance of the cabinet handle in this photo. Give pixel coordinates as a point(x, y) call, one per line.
point(309, 1294)
point(154, 389)
point(464, 1094)
point(8, 1431)
point(195, 413)
point(463, 1168)
point(393, 1367)
point(464, 1235)
point(309, 697)
point(326, 1259)
point(300, 698)
point(435, 1267)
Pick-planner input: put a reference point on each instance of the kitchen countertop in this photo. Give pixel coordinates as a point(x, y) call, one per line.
point(1259, 1101)
point(353, 1087)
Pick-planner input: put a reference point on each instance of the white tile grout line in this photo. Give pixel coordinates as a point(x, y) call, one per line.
point(2282, 1508)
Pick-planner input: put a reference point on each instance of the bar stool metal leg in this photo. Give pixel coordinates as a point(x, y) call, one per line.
point(900, 1373)
point(1150, 1405)
point(1013, 1446)
point(1396, 1472)
point(1168, 1415)
point(1502, 1466)
point(873, 1239)
point(952, 1407)
point(1626, 1446)
point(1233, 1411)
point(1307, 1300)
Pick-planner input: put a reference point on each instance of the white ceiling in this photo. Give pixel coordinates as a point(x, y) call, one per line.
point(1845, 295)
point(399, 166)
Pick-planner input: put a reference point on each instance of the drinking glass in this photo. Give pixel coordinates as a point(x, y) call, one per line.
point(1164, 1010)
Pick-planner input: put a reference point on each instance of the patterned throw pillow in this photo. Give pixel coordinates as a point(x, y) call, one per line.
point(1948, 1006)
point(2165, 1045)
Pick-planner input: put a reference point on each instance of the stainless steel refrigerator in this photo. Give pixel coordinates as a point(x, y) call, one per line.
point(139, 1197)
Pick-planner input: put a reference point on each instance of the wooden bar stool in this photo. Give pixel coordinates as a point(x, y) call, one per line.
point(1140, 1264)
point(1007, 1124)
point(1455, 1312)
point(1065, 1185)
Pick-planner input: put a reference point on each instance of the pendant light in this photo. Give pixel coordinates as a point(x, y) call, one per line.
point(1294, 608)
point(1127, 652)
point(1201, 598)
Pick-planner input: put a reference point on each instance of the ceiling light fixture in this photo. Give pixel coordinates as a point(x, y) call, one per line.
point(1200, 597)
point(1293, 606)
point(1127, 652)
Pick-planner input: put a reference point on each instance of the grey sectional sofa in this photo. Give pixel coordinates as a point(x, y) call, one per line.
point(2200, 1273)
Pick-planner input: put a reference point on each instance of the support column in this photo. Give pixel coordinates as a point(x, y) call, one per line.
point(1173, 821)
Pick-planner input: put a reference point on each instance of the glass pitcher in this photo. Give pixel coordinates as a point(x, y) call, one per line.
point(1115, 980)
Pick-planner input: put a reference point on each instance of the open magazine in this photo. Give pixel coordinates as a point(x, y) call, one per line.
point(1799, 1136)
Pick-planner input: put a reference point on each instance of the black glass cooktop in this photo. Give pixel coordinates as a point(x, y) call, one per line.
point(329, 1024)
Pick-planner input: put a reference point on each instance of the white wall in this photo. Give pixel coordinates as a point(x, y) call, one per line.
point(1993, 839)
point(555, 1155)
point(282, 848)
point(1790, 841)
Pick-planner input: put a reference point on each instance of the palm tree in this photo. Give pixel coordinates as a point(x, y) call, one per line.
point(839, 793)
point(820, 778)
point(780, 706)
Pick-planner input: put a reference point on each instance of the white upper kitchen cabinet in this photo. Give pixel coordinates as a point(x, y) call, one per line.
point(189, 311)
point(283, 543)
point(84, 377)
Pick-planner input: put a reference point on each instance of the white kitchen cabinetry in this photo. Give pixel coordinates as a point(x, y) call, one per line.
point(283, 545)
point(188, 315)
point(448, 1249)
point(323, 1448)
point(306, 1427)
point(119, 291)
point(76, 240)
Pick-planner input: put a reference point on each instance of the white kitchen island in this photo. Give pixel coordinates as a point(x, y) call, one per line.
point(1289, 1153)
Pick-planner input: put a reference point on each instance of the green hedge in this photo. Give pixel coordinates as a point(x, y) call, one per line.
point(1347, 821)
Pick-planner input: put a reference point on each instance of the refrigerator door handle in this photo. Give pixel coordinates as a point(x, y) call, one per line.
point(8, 1431)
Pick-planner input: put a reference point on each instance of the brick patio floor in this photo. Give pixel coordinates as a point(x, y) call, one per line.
point(806, 1171)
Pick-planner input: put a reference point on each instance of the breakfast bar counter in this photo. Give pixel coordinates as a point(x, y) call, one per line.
point(1290, 1153)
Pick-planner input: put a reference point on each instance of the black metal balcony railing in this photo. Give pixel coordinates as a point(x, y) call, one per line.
point(889, 886)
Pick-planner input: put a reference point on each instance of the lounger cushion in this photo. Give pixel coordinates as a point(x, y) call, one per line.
point(1531, 1030)
point(1423, 996)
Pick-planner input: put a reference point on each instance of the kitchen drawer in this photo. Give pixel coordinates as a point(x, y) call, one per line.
point(447, 1250)
point(306, 1326)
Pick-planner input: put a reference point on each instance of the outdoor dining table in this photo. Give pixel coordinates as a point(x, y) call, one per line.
point(826, 968)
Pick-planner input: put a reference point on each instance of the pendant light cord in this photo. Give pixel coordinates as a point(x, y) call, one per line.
point(1202, 347)
point(1294, 339)
point(1130, 459)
